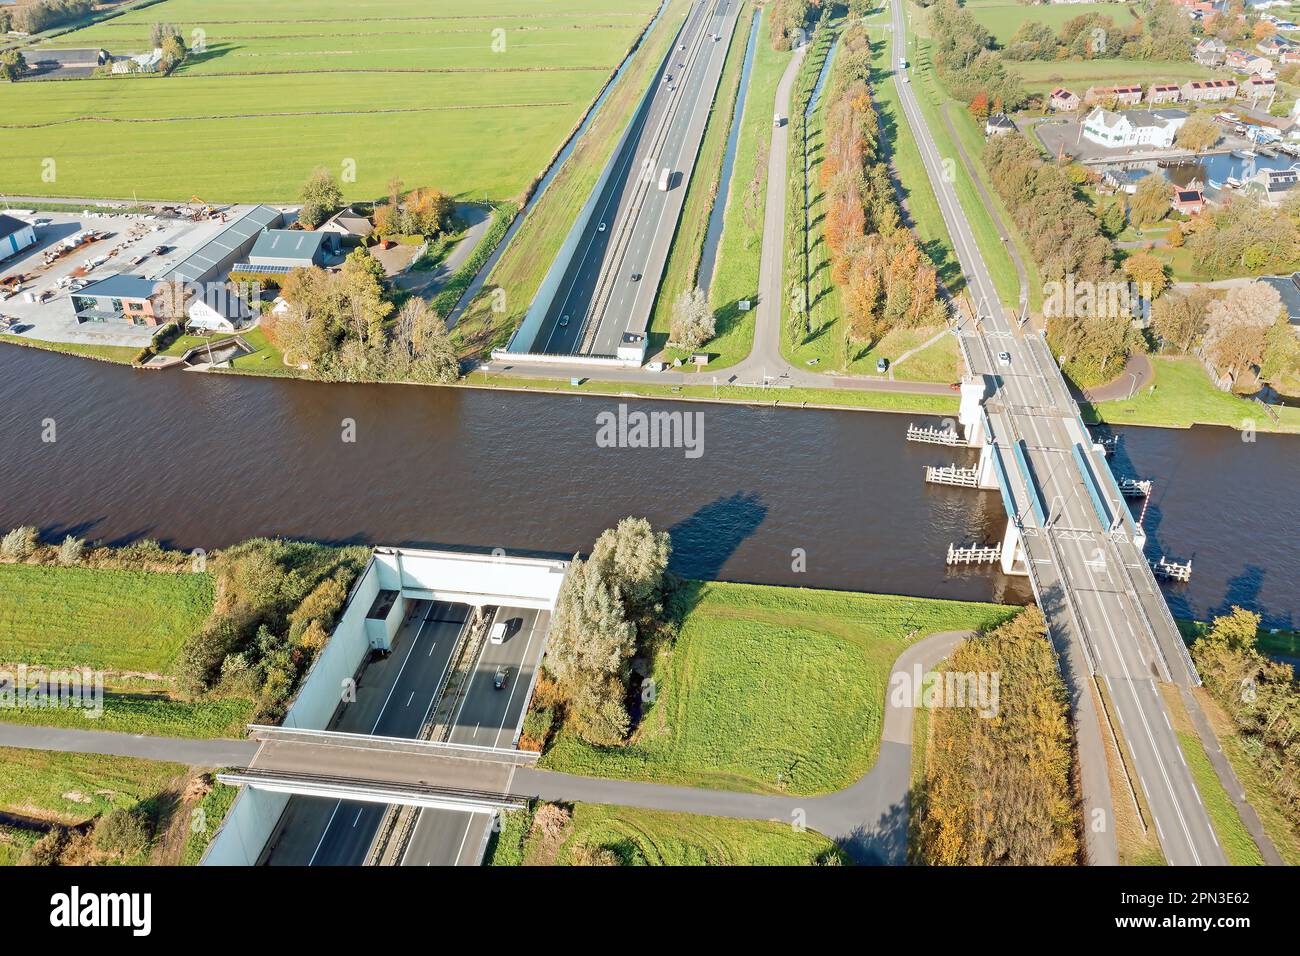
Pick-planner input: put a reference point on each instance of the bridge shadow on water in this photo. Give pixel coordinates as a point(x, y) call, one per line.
point(704, 542)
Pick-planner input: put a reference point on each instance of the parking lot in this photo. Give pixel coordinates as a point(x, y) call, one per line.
point(129, 247)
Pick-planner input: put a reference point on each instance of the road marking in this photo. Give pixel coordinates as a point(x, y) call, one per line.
point(360, 810)
point(409, 699)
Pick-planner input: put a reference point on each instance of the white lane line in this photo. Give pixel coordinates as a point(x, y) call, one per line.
point(357, 819)
point(532, 632)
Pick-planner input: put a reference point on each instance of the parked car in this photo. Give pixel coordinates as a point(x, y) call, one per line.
point(882, 365)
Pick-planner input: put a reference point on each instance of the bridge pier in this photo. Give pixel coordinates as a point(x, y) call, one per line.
point(1013, 551)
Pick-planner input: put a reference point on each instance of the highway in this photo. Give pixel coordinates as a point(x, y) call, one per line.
point(487, 717)
point(394, 699)
point(1089, 574)
point(597, 299)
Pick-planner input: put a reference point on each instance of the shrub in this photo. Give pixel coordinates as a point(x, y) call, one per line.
point(19, 544)
point(48, 850)
point(71, 551)
point(584, 854)
point(124, 832)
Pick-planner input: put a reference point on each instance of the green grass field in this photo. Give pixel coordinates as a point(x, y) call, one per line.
point(772, 689)
point(214, 806)
point(72, 788)
point(899, 145)
point(735, 276)
point(107, 620)
point(1185, 396)
point(788, 397)
point(1003, 19)
point(1042, 76)
point(367, 89)
point(657, 838)
point(143, 714)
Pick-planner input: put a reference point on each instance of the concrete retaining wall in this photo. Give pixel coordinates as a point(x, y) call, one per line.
point(246, 829)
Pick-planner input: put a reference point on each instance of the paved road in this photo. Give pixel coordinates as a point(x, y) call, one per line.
point(868, 818)
point(597, 293)
point(1106, 613)
point(400, 694)
point(478, 220)
point(195, 753)
point(487, 717)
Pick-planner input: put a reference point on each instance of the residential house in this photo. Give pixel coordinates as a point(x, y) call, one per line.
point(1063, 101)
point(15, 236)
point(150, 62)
point(1243, 61)
point(1209, 91)
point(1288, 287)
point(346, 227)
point(119, 298)
point(997, 124)
point(1153, 128)
point(1270, 186)
point(1273, 46)
point(1189, 202)
point(1289, 56)
point(1210, 52)
point(1126, 95)
point(1163, 93)
point(1257, 88)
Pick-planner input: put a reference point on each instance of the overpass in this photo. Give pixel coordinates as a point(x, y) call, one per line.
point(1070, 531)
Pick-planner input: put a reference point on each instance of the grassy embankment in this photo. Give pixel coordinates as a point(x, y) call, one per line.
point(638, 837)
point(127, 624)
point(1184, 396)
point(525, 261)
point(478, 114)
point(931, 97)
point(735, 277)
point(1233, 837)
point(682, 270)
point(1003, 18)
point(772, 690)
point(40, 789)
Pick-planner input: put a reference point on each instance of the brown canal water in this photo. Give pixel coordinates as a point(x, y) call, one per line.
point(204, 460)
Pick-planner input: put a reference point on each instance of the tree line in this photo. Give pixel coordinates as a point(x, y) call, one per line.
point(1161, 32)
point(1089, 319)
point(788, 18)
point(998, 789)
point(966, 61)
point(1262, 699)
point(44, 15)
point(610, 610)
point(887, 281)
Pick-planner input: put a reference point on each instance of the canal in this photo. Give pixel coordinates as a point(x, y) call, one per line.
point(204, 460)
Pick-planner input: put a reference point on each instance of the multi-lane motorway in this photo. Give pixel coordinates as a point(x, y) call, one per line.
point(609, 282)
point(396, 697)
point(1090, 576)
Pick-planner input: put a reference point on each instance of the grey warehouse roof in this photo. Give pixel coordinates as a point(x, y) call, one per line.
point(227, 245)
point(287, 244)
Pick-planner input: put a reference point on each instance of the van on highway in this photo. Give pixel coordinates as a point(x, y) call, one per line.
point(498, 633)
point(665, 179)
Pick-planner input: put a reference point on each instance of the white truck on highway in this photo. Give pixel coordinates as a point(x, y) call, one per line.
point(665, 179)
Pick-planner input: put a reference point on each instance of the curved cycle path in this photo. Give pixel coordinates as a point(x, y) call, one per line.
point(869, 819)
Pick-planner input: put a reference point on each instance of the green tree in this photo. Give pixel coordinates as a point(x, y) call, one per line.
point(1150, 200)
point(693, 320)
point(320, 196)
point(633, 558)
point(12, 65)
point(1148, 273)
point(1198, 133)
